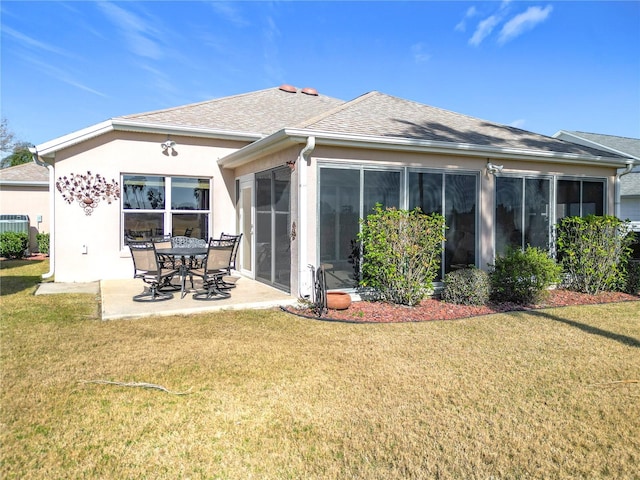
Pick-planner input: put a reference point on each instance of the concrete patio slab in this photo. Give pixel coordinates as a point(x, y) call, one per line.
point(117, 300)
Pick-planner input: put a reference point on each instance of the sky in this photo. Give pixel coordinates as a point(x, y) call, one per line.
point(541, 66)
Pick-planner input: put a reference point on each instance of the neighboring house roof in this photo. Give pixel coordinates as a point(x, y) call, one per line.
point(25, 174)
point(621, 145)
point(630, 185)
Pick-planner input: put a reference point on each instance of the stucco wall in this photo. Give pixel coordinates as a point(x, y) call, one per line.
point(88, 247)
point(27, 200)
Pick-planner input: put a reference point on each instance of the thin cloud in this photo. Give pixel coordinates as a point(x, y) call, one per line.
point(141, 35)
point(523, 22)
point(61, 75)
point(484, 29)
point(519, 123)
point(230, 13)
point(272, 67)
point(419, 55)
point(33, 43)
point(470, 13)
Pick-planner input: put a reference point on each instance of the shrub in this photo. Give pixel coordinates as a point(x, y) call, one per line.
point(401, 253)
point(523, 276)
point(13, 244)
point(43, 243)
point(467, 286)
point(594, 252)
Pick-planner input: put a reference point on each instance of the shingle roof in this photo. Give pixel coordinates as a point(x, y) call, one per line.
point(26, 172)
point(627, 145)
point(262, 112)
point(378, 114)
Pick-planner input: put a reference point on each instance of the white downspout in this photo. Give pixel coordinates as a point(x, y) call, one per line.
point(620, 173)
point(52, 243)
point(303, 162)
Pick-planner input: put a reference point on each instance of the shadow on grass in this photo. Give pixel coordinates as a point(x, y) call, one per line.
point(17, 284)
point(630, 341)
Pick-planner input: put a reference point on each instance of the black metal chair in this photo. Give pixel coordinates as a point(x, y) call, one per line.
point(213, 269)
point(232, 264)
point(147, 267)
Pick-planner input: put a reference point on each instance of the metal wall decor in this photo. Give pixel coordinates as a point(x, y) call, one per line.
point(88, 190)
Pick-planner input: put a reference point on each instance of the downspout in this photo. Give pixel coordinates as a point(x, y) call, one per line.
point(620, 173)
point(52, 243)
point(303, 162)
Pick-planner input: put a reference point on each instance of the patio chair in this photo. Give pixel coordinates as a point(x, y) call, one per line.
point(213, 269)
point(232, 264)
point(147, 267)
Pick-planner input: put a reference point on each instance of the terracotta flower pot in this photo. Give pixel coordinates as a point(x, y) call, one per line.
point(338, 300)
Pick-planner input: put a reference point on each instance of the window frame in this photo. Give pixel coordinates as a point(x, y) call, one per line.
point(167, 212)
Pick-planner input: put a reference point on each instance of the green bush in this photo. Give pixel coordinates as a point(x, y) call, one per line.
point(467, 286)
point(523, 277)
point(401, 253)
point(594, 253)
point(43, 243)
point(13, 244)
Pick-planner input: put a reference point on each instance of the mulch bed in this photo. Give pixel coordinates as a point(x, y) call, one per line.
point(433, 309)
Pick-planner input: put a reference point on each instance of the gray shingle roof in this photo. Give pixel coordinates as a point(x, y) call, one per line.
point(378, 114)
point(627, 145)
point(27, 172)
point(262, 112)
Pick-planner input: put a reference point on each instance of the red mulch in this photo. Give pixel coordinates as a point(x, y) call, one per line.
point(432, 309)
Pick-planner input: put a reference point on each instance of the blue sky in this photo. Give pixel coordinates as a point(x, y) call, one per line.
point(542, 66)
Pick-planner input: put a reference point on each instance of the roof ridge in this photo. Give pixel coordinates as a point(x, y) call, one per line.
point(194, 104)
point(334, 110)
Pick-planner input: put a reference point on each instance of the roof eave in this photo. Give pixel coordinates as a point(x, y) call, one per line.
point(48, 149)
point(24, 183)
point(287, 137)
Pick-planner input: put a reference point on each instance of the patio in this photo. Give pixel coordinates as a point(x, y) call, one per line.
point(117, 298)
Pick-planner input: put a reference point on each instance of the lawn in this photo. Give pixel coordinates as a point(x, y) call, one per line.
point(542, 394)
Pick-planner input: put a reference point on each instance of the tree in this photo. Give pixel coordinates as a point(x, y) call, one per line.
point(19, 150)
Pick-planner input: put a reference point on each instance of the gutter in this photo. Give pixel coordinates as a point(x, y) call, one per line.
point(286, 136)
point(621, 172)
point(303, 163)
point(52, 243)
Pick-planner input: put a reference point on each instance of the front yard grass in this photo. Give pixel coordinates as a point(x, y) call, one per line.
point(543, 394)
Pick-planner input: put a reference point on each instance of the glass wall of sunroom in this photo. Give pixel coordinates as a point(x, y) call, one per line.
point(348, 194)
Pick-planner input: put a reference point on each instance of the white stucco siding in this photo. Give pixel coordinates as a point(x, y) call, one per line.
point(88, 247)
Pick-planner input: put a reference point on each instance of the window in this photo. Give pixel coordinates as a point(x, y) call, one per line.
point(154, 206)
point(341, 207)
point(522, 213)
point(455, 197)
point(579, 198)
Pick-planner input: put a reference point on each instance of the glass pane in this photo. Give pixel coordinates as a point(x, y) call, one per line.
point(592, 198)
point(189, 193)
point(380, 187)
point(142, 192)
point(339, 224)
point(263, 226)
point(508, 228)
point(460, 215)
point(194, 225)
point(143, 226)
point(425, 191)
point(536, 231)
point(282, 239)
point(568, 199)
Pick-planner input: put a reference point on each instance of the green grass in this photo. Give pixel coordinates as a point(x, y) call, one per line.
point(273, 396)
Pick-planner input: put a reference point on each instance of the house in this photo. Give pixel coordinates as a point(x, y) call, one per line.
point(24, 190)
point(629, 188)
point(294, 171)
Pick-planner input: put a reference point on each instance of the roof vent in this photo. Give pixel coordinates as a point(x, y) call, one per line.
point(288, 88)
point(310, 91)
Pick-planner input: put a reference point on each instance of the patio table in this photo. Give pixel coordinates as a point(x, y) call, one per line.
point(183, 253)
